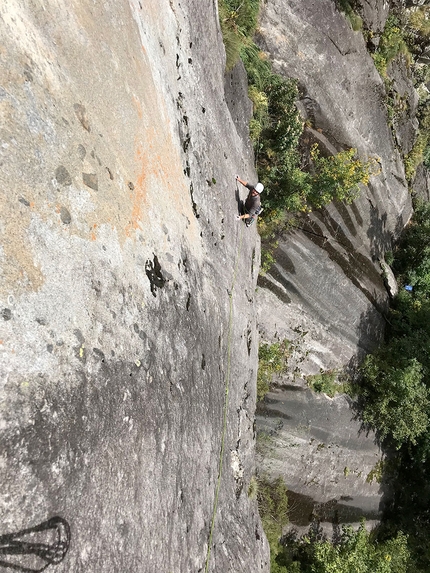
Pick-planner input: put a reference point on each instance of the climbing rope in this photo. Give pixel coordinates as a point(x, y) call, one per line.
point(227, 384)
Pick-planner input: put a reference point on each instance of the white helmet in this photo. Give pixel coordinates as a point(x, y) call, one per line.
point(259, 187)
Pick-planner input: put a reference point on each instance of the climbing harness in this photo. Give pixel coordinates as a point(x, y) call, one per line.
point(227, 384)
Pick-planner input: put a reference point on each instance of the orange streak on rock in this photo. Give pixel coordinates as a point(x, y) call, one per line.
point(138, 194)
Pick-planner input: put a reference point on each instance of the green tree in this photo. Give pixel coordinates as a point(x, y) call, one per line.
point(413, 250)
point(272, 359)
point(394, 398)
point(273, 509)
point(354, 552)
point(238, 20)
point(338, 176)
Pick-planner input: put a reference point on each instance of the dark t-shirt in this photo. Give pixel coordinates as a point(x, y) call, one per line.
point(252, 203)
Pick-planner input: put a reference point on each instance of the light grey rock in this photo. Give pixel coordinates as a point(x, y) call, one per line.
point(389, 279)
point(117, 333)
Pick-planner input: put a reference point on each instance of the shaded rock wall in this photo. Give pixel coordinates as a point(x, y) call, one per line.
point(118, 248)
point(328, 267)
point(326, 292)
point(317, 447)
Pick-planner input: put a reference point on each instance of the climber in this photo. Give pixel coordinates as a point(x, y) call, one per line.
point(252, 206)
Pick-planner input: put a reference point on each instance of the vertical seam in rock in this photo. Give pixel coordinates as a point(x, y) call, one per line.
point(227, 384)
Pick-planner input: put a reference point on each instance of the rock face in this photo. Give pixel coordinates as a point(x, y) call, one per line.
point(315, 444)
point(374, 14)
point(127, 287)
point(327, 268)
point(327, 291)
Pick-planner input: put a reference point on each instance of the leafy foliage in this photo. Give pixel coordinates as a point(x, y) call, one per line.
point(273, 509)
point(276, 129)
point(272, 359)
point(426, 156)
point(238, 20)
point(408, 34)
point(395, 393)
point(413, 253)
point(351, 552)
point(418, 25)
point(421, 150)
point(391, 45)
point(267, 258)
point(353, 18)
point(395, 398)
point(395, 388)
point(325, 382)
point(337, 177)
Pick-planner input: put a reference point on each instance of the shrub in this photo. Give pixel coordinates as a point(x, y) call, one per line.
point(325, 382)
point(411, 258)
point(353, 18)
point(276, 128)
point(338, 176)
point(419, 21)
point(421, 149)
point(273, 509)
point(376, 473)
point(260, 117)
point(238, 20)
point(391, 45)
point(426, 156)
point(394, 399)
point(253, 488)
point(272, 359)
point(353, 552)
point(267, 258)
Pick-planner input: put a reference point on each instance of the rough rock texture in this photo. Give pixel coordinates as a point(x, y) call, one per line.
point(118, 248)
point(405, 122)
point(421, 184)
point(327, 269)
point(327, 291)
point(374, 13)
point(328, 458)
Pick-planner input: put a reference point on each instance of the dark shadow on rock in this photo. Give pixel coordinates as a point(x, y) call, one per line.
point(288, 387)
point(263, 410)
point(154, 274)
point(325, 232)
point(381, 239)
point(34, 549)
point(240, 204)
point(372, 325)
point(305, 511)
point(264, 282)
